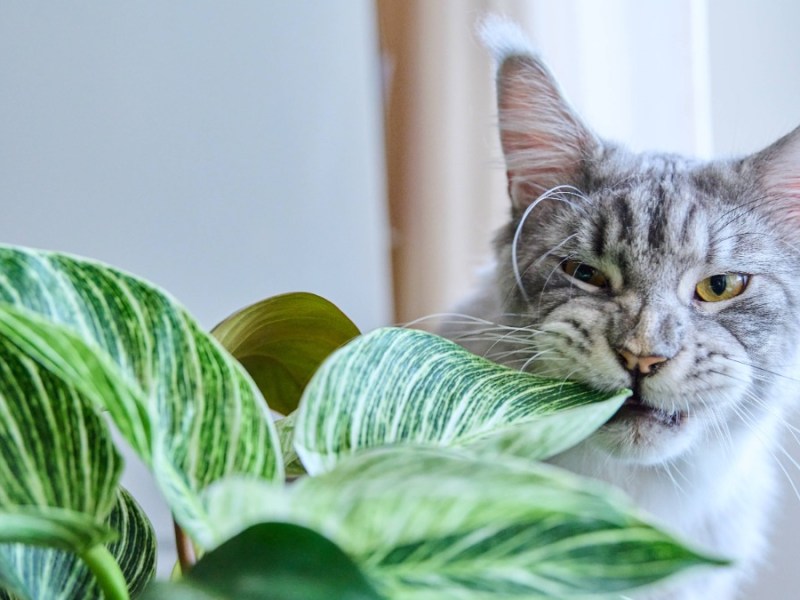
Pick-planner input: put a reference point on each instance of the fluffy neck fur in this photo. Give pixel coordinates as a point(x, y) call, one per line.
point(600, 272)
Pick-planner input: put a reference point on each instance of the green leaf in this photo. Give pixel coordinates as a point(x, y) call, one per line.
point(185, 405)
point(59, 470)
point(11, 587)
point(281, 341)
point(291, 461)
point(278, 561)
point(52, 527)
point(427, 523)
point(136, 548)
point(405, 386)
point(42, 573)
point(55, 451)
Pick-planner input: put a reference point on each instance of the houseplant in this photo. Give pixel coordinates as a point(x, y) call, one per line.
point(421, 480)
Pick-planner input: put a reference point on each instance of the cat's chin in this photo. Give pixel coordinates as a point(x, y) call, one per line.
point(644, 434)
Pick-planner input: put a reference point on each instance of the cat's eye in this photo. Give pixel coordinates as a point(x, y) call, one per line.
point(584, 273)
point(721, 287)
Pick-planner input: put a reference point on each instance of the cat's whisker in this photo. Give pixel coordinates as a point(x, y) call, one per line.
point(749, 420)
point(671, 477)
point(524, 348)
point(535, 263)
point(770, 409)
point(737, 212)
point(552, 359)
point(508, 339)
point(515, 315)
point(762, 369)
point(512, 357)
point(483, 333)
point(731, 376)
point(511, 336)
point(555, 193)
point(546, 282)
point(764, 205)
point(717, 423)
point(522, 332)
point(725, 428)
point(527, 362)
point(448, 317)
point(565, 379)
point(766, 406)
point(539, 355)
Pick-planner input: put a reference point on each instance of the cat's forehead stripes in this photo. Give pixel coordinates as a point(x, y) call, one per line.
point(642, 215)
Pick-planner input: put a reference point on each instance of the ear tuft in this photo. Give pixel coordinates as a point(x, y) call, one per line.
point(503, 38)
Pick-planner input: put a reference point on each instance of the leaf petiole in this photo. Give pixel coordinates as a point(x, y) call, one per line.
point(107, 572)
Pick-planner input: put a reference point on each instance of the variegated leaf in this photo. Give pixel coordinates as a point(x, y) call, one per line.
point(291, 461)
point(181, 401)
point(54, 574)
point(427, 523)
point(52, 527)
point(405, 386)
point(59, 495)
point(282, 340)
point(55, 451)
point(136, 547)
point(11, 587)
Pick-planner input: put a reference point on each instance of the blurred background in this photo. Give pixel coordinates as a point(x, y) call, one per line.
point(229, 152)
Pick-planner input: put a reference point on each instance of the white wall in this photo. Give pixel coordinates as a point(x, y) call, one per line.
point(225, 151)
point(755, 79)
point(636, 71)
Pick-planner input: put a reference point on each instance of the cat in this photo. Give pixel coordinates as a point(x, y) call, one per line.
point(670, 276)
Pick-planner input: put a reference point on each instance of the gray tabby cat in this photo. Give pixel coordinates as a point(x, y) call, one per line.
point(676, 278)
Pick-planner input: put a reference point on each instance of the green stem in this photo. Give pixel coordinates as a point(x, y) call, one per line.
point(107, 571)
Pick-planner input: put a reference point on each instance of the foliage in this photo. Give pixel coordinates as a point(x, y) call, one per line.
point(255, 562)
point(422, 480)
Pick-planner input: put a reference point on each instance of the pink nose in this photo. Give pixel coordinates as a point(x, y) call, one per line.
point(644, 364)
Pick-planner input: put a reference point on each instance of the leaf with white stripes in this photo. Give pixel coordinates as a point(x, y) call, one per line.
point(48, 573)
point(58, 466)
point(406, 386)
point(59, 497)
point(52, 527)
point(431, 523)
point(55, 451)
point(184, 404)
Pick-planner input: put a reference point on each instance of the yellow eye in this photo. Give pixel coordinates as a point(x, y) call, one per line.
point(721, 287)
point(584, 273)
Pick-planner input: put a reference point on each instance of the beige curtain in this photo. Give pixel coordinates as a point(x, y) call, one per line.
point(445, 174)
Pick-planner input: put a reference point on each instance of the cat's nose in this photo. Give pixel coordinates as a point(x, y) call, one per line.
point(646, 365)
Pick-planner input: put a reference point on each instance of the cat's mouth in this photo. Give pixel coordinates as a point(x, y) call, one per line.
point(635, 409)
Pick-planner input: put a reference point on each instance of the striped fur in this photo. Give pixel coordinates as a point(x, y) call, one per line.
point(654, 225)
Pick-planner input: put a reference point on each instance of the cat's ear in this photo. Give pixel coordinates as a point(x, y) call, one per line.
point(778, 168)
point(544, 142)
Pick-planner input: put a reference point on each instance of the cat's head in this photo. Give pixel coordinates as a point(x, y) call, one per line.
point(676, 278)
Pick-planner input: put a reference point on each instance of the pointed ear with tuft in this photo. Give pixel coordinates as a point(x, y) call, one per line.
point(778, 169)
point(544, 141)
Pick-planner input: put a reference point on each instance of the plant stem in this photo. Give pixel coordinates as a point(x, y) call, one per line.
point(107, 572)
point(186, 556)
